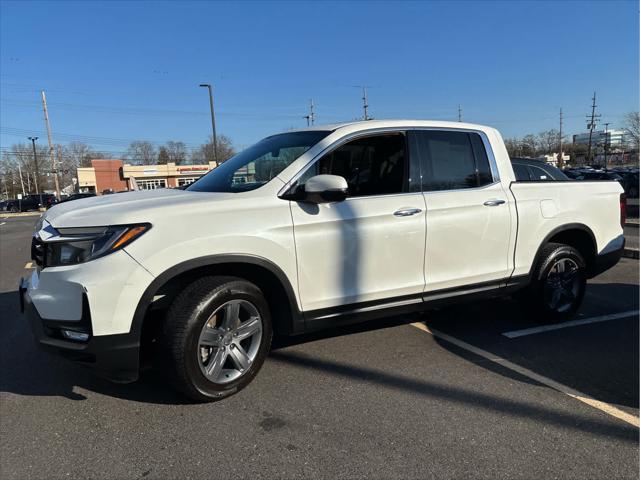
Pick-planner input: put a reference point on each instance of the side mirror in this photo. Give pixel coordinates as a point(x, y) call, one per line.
point(326, 188)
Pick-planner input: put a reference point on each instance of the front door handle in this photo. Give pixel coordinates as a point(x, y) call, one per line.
point(493, 203)
point(406, 212)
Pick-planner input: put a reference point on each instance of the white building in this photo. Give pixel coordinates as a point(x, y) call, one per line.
point(612, 138)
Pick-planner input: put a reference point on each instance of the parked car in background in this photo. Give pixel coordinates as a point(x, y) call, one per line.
point(24, 204)
point(572, 173)
point(46, 200)
point(629, 182)
point(600, 175)
point(77, 196)
point(32, 201)
point(535, 170)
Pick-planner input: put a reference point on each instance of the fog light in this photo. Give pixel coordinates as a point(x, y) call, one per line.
point(77, 336)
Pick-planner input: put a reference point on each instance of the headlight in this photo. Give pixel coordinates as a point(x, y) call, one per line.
point(69, 246)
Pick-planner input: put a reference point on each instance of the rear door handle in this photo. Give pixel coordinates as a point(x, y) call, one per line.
point(406, 212)
point(493, 203)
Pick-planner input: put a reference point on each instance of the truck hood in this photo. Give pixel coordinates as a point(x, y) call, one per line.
point(131, 207)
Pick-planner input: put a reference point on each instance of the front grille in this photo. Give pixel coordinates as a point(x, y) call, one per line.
point(37, 251)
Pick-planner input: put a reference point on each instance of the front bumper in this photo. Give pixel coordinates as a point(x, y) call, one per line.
point(115, 357)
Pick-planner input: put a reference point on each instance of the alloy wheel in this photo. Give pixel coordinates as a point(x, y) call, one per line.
point(562, 285)
point(229, 341)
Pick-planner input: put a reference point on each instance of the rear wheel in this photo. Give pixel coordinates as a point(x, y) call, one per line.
point(216, 337)
point(14, 209)
point(558, 285)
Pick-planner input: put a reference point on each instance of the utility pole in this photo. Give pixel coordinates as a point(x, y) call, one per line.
point(312, 115)
point(53, 159)
point(35, 162)
point(591, 124)
point(213, 121)
point(20, 173)
point(560, 156)
point(365, 103)
point(459, 112)
point(606, 143)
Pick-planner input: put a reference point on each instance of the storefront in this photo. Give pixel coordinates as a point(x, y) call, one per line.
point(109, 176)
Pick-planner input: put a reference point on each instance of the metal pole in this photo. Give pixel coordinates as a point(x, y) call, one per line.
point(51, 155)
point(213, 122)
point(35, 162)
point(560, 156)
point(312, 115)
point(459, 112)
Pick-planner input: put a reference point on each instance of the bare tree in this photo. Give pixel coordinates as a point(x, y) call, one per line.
point(141, 152)
point(513, 146)
point(529, 146)
point(163, 156)
point(548, 140)
point(205, 152)
point(177, 152)
point(80, 154)
point(632, 128)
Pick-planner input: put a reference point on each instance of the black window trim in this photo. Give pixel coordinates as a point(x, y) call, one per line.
point(493, 166)
point(287, 189)
point(293, 183)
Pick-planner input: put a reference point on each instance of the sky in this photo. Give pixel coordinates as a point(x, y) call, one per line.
point(119, 71)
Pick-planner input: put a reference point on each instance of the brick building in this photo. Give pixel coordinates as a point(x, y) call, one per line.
point(106, 176)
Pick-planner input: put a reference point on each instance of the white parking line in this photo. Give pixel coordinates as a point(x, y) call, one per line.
point(572, 323)
point(602, 406)
point(2, 223)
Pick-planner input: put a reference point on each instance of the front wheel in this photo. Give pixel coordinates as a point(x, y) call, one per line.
point(216, 337)
point(558, 284)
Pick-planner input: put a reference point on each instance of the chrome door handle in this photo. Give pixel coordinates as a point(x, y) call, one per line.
point(493, 203)
point(406, 212)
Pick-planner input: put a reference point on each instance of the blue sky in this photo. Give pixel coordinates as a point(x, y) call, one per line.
point(120, 71)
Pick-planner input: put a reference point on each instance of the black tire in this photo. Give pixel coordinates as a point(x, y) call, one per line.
point(14, 209)
point(539, 297)
point(179, 347)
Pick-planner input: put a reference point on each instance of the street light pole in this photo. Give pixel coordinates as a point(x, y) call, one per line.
point(35, 163)
point(213, 121)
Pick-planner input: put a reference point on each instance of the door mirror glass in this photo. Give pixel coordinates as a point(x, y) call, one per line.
point(326, 188)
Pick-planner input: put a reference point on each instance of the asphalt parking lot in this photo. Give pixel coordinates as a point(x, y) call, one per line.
point(480, 396)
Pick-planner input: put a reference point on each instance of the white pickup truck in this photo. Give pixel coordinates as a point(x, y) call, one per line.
point(305, 230)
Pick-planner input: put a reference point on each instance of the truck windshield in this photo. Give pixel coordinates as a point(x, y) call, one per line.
point(259, 163)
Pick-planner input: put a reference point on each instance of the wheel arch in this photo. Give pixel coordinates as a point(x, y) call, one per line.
point(576, 235)
point(274, 283)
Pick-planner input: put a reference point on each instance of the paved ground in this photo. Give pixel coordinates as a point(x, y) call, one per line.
point(378, 401)
point(631, 233)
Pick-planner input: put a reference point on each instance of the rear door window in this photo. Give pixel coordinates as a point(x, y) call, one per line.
point(450, 160)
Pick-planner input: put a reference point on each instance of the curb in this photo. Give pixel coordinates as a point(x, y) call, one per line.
point(631, 253)
point(21, 214)
point(632, 224)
